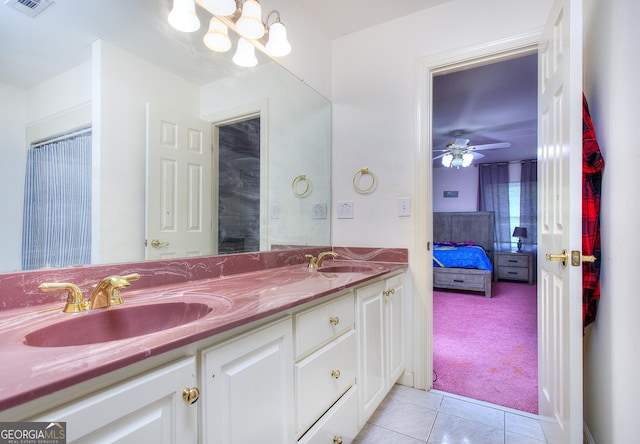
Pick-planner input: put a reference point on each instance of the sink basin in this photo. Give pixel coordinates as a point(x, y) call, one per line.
point(345, 269)
point(116, 323)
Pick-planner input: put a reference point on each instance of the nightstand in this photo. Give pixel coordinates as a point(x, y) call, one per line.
point(513, 266)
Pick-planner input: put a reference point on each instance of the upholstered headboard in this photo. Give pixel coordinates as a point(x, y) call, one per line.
point(464, 227)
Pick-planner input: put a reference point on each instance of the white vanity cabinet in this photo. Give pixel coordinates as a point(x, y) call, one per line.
point(380, 320)
point(248, 387)
point(325, 372)
point(148, 408)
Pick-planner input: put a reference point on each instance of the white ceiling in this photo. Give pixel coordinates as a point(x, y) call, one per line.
point(489, 104)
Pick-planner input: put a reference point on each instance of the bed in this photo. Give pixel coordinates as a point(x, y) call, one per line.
point(471, 233)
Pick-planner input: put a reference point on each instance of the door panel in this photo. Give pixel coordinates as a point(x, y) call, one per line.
point(179, 193)
point(560, 223)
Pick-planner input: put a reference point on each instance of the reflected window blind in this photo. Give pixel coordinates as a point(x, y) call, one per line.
point(57, 203)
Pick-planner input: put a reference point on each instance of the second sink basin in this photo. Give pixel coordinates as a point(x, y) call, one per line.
point(345, 269)
point(117, 323)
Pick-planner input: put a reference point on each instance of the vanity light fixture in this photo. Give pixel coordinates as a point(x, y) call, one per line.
point(244, 16)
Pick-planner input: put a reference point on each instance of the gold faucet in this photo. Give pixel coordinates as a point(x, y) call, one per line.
point(107, 292)
point(317, 262)
point(75, 302)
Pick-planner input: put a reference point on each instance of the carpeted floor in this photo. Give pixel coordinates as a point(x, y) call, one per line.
point(487, 349)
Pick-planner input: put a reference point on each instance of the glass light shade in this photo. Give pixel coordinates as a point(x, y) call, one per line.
point(457, 161)
point(183, 16)
point(250, 22)
point(220, 7)
point(217, 38)
point(446, 160)
point(278, 45)
point(467, 158)
point(245, 54)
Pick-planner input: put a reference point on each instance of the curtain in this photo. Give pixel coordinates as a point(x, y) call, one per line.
point(493, 195)
point(529, 204)
point(57, 204)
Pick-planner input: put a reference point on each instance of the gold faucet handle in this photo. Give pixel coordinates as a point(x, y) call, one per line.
point(116, 298)
point(312, 260)
point(75, 302)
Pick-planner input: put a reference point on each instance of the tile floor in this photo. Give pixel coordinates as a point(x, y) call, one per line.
point(410, 416)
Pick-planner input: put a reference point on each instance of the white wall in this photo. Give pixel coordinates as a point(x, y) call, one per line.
point(13, 154)
point(375, 98)
point(612, 348)
point(464, 181)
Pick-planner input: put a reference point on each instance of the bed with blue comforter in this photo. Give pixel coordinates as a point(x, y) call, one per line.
point(461, 255)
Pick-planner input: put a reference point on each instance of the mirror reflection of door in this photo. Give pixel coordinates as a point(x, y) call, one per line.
point(239, 185)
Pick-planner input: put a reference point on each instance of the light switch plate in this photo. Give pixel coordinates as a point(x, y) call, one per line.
point(319, 210)
point(404, 206)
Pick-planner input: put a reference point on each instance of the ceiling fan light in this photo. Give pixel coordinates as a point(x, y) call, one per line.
point(250, 22)
point(245, 54)
point(217, 38)
point(220, 7)
point(278, 45)
point(457, 161)
point(446, 160)
point(467, 158)
point(183, 16)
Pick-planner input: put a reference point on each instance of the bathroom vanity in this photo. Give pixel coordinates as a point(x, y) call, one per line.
point(285, 354)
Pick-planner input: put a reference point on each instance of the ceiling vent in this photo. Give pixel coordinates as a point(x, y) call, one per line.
point(29, 7)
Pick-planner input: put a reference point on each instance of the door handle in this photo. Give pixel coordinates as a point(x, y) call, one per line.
point(558, 257)
point(155, 243)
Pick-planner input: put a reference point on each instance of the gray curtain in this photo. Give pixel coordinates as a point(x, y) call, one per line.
point(529, 204)
point(493, 195)
point(57, 204)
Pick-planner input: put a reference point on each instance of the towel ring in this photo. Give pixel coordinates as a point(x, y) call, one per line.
point(299, 179)
point(356, 179)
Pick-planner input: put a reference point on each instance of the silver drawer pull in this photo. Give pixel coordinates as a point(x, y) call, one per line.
point(458, 280)
point(335, 373)
point(334, 320)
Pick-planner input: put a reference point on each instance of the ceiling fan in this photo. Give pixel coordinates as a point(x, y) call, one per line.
point(458, 153)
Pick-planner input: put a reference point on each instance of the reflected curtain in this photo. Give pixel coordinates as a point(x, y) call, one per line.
point(57, 203)
point(529, 203)
point(493, 195)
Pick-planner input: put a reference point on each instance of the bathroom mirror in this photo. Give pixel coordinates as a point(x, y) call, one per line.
point(110, 65)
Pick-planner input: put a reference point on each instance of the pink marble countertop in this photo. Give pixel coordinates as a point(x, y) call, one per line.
point(29, 372)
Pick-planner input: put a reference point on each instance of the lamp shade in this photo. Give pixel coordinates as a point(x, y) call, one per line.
point(278, 45)
point(250, 22)
point(467, 158)
point(520, 232)
point(217, 38)
point(183, 16)
point(245, 54)
point(446, 160)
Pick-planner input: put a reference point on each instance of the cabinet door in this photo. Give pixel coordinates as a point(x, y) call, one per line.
point(394, 295)
point(248, 387)
point(148, 408)
point(371, 366)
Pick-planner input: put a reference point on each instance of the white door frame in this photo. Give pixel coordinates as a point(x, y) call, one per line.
point(420, 258)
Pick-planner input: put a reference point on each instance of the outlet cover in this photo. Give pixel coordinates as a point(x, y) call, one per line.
point(345, 209)
point(319, 210)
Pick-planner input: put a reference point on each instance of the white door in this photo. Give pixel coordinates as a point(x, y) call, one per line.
point(560, 229)
point(178, 185)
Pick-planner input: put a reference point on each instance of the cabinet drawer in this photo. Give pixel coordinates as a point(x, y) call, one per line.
point(320, 324)
point(338, 424)
point(316, 389)
point(459, 279)
point(513, 273)
point(508, 260)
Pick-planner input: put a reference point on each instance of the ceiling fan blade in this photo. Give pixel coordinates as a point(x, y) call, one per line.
point(440, 155)
point(491, 146)
point(476, 156)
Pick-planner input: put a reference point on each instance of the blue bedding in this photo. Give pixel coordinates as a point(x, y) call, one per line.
point(460, 256)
